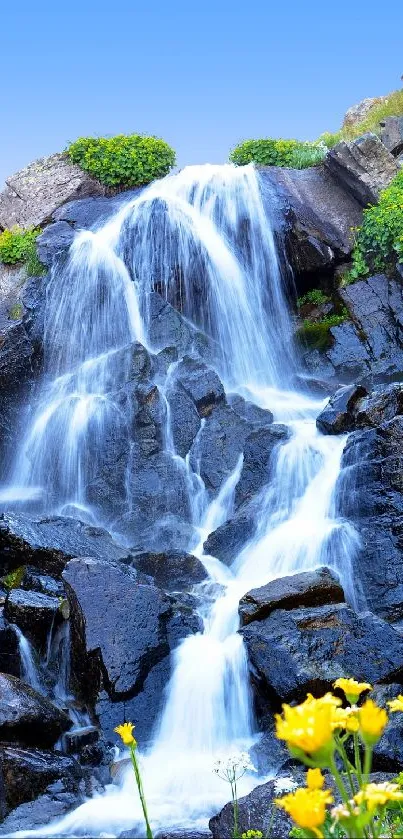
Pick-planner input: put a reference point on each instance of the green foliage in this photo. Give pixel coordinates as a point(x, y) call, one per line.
point(315, 296)
point(270, 152)
point(329, 139)
point(123, 161)
point(316, 334)
point(19, 246)
point(392, 107)
point(14, 578)
point(379, 240)
point(16, 311)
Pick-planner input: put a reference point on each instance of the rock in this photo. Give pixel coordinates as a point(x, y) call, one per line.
point(338, 415)
point(227, 541)
point(34, 613)
point(201, 383)
point(28, 772)
point(256, 811)
point(318, 215)
point(48, 543)
point(167, 328)
point(184, 419)
point(358, 113)
point(309, 588)
point(380, 406)
point(258, 460)
point(315, 646)
point(249, 411)
point(87, 213)
point(218, 447)
point(55, 803)
point(28, 718)
point(392, 134)
point(10, 659)
point(122, 636)
point(32, 194)
point(364, 167)
point(388, 752)
point(33, 580)
point(370, 495)
point(55, 240)
point(171, 571)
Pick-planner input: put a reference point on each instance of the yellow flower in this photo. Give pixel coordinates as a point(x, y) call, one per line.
point(352, 689)
point(307, 728)
point(372, 722)
point(314, 779)
point(307, 807)
point(376, 795)
point(396, 704)
point(345, 718)
point(125, 731)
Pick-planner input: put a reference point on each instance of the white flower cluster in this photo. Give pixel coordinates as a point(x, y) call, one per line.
point(284, 785)
point(233, 767)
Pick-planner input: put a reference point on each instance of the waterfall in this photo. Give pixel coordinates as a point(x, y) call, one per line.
point(205, 241)
point(30, 671)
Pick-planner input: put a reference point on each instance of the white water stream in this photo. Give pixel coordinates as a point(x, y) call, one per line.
point(205, 238)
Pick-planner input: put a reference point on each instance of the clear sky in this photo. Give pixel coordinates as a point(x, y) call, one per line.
point(202, 74)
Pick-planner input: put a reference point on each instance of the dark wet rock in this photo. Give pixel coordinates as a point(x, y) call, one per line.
point(26, 717)
point(168, 328)
point(269, 755)
point(55, 239)
point(33, 580)
point(257, 811)
point(34, 613)
point(309, 588)
point(149, 421)
point(301, 650)
point(3, 596)
point(10, 660)
point(258, 461)
point(392, 134)
point(91, 212)
point(170, 533)
point(249, 411)
point(218, 447)
point(388, 752)
point(122, 635)
point(77, 739)
point(171, 571)
point(28, 772)
point(338, 415)
point(201, 383)
point(380, 406)
point(55, 803)
point(48, 542)
point(364, 167)
point(227, 541)
point(318, 213)
point(184, 418)
point(20, 362)
point(370, 495)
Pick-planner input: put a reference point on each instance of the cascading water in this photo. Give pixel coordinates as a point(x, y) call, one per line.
point(204, 240)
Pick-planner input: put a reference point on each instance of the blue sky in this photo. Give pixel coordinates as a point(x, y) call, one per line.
point(202, 74)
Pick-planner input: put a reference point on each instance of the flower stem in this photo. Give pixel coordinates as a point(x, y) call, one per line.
point(235, 809)
point(367, 762)
point(339, 780)
point(357, 758)
point(141, 790)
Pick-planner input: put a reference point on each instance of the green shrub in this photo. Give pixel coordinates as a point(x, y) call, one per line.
point(316, 334)
point(379, 240)
point(19, 246)
point(14, 578)
point(123, 161)
point(269, 152)
point(315, 296)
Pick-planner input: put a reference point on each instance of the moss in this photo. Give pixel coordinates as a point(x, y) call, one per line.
point(14, 578)
point(316, 334)
point(16, 311)
point(315, 296)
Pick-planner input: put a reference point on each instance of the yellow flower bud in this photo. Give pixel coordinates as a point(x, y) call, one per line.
point(352, 689)
point(372, 722)
point(125, 731)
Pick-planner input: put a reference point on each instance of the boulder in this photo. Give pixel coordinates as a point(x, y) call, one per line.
point(55, 803)
point(252, 413)
point(28, 772)
point(171, 571)
point(259, 460)
point(55, 240)
point(307, 649)
point(318, 215)
point(183, 418)
point(33, 580)
point(358, 113)
point(34, 613)
point(167, 328)
point(392, 134)
point(363, 166)
point(89, 213)
point(201, 383)
point(217, 449)
point(48, 543)
point(122, 635)
point(309, 588)
point(33, 194)
point(339, 414)
point(227, 541)
point(257, 811)
point(28, 718)
point(383, 404)
point(388, 752)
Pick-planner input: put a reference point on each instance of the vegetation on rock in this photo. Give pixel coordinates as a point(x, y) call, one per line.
point(391, 106)
point(123, 161)
point(269, 152)
point(19, 246)
point(316, 334)
point(379, 240)
point(315, 296)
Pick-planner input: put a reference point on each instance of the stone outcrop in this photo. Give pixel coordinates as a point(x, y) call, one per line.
point(28, 772)
point(34, 193)
point(28, 718)
point(34, 613)
point(364, 167)
point(392, 134)
point(309, 588)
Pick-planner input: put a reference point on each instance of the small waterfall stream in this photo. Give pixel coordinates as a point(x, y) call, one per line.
point(205, 240)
